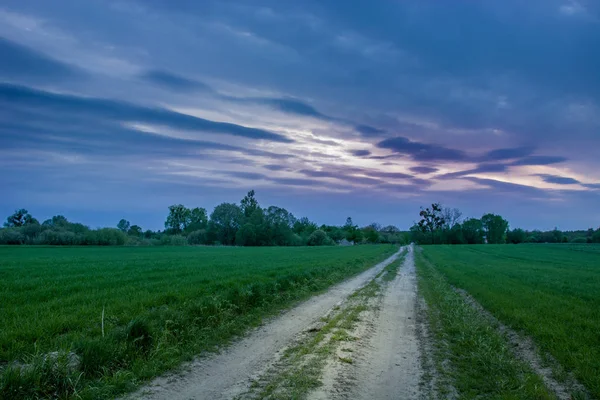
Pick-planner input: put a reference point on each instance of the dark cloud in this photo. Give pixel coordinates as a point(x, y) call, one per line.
point(422, 151)
point(174, 82)
point(360, 153)
point(422, 169)
point(508, 154)
point(559, 180)
point(22, 63)
point(369, 130)
point(539, 160)
point(481, 168)
point(20, 97)
point(275, 167)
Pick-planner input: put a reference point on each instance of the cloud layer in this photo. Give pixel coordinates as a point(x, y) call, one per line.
point(329, 109)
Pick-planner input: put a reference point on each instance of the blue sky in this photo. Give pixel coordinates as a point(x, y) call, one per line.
point(113, 109)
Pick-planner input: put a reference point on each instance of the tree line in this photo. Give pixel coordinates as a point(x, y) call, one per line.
point(249, 224)
point(243, 224)
point(445, 225)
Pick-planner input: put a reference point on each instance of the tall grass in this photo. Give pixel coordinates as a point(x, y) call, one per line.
point(481, 364)
point(548, 292)
point(161, 306)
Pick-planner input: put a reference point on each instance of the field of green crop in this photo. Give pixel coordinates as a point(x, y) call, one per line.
point(132, 313)
point(549, 292)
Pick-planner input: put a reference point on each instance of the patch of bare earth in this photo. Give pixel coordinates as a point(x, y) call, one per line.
point(233, 371)
point(544, 365)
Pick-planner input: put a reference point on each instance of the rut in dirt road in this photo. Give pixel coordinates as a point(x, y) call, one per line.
point(230, 373)
point(386, 361)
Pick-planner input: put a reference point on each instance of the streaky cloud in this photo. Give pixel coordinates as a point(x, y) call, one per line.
point(28, 98)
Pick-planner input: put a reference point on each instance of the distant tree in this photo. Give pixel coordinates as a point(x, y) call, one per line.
point(304, 225)
point(246, 235)
point(58, 221)
point(319, 238)
point(516, 236)
point(178, 218)
point(452, 217)
point(432, 220)
point(123, 225)
point(20, 218)
point(596, 236)
point(349, 225)
point(197, 220)
point(472, 230)
point(495, 228)
point(135, 230)
point(249, 204)
point(224, 223)
point(371, 234)
point(279, 223)
point(376, 226)
point(390, 229)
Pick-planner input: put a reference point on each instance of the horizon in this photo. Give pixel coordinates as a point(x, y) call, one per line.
point(119, 109)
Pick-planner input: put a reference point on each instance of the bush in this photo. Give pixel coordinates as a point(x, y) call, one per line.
point(110, 237)
point(319, 238)
point(173, 240)
point(197, 237)
point(11, 236)
point(579, 240)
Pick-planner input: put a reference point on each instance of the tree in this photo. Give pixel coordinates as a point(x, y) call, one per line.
point(198, 219)
point(303, 225)
point(349, 225)
point(123, 225)
point(135, 230)
point(319, 238)
point(58, 221)
point(178, 218)
point(224, 223)
point(246, 236)
point(516, 236)
point(20, 218)
point(249, 204)
point(452, 217)
point(279, 223)
point(495, 228)
point(371, 234)
point(432, 220)
point(472, 231)
point(596, 236)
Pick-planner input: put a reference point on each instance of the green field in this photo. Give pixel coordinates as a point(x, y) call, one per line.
point(549, 292)
point(161, 306)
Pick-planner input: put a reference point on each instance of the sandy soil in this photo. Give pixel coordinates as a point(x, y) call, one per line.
point(230, 373)
point(386, 357)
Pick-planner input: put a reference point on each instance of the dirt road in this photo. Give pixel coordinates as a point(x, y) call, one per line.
point(385, 358)
point(229, 374)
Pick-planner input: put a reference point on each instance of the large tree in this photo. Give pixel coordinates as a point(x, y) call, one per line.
point(198, 219)
point(178, 218)
point(249, 204)
point(472, 230)
point(495, 228)
point(20, 218)
point(224, 223)
point(432, 220)
point(123, 225)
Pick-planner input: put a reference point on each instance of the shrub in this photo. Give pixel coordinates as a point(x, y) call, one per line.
point(197, 237)
point(110, 237)
point(11, 236)
point(319, 238)
point(579, 240)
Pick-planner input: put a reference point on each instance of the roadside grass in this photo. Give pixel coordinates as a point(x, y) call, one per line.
point(472, 359)
point(550, 293)
point(301, 367)
point(161, 306)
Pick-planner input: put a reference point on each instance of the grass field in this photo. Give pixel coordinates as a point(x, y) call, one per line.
point(161, 306)
point(549, 292)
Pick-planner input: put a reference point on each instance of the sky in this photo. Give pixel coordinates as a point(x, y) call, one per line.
point(368, 109)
